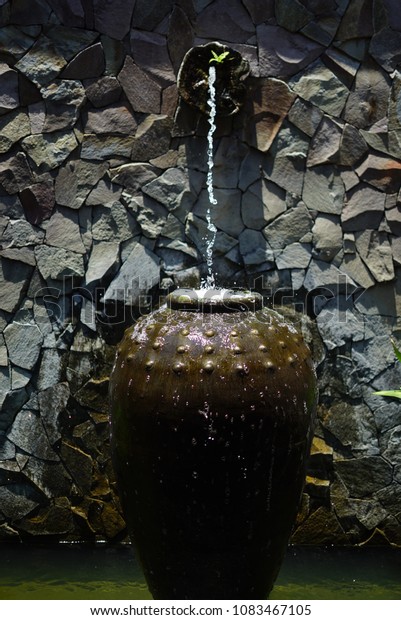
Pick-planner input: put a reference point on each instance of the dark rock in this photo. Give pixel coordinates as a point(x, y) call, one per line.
point(226, 214)
point(113, 119)
point(104, 193)
point(48, 151)
point(326, 276)
point(63, 100)
point(282, 54)
point(133, 176)
point(42, 63)
point(75, 180)
point(289, 227)
point(104, 91)
point(58, 263)
point(375, 250)
point(353, 425)
point(149, 13)
point(38, 201)
point(225, 20)
point(305, 116)
point(149, 52)
point(70, 41)
point(152, 138)
point(261, 203)
point(180, 37)
point(357, 21)
point(20, 233)
point(321, 528)
point(51, 520)
point(103, 263)
point(294, 256)
point(51, 478)
point(368, 100)
point(14, 41)
point(324, 189)
point(113, 223)
point(268, 106)
point(139, 273)
point(327, 237)
point(319, 85)
point(353, 146)
point(325, 144)
point(63, 231)
point(23, 341)
point(29, 434)
point(260, 11)
point(143, 93)
point(381, 172)
point(287, 161)
point(173, 190)
point(69, 12)
point(13, 127)
point(256, 252)
point(14, 280)
point(22, 12)
point(105, 147)
point(364, 208)
point(15, 174)
point(89, 63)
point(78, 464)
point(9, 97)
point(14, 503)
point(119, 25)
point(292, 15)
point(385, 47)
point(364, 476)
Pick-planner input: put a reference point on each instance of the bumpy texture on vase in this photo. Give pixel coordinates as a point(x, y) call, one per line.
point(211, 415)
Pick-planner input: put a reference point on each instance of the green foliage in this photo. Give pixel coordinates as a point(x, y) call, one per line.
point(392, 393)
point(219, 58)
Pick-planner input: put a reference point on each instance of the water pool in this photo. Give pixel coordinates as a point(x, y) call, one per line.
point(103, 572)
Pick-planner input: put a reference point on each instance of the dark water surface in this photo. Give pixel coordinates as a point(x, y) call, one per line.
point(102, 572)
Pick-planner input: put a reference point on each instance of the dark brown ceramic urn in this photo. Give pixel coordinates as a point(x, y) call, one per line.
point(212, 407)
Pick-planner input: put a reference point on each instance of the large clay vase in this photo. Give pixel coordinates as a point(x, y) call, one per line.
point(212, 406)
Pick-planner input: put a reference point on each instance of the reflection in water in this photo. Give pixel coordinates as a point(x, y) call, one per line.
point(102, 572)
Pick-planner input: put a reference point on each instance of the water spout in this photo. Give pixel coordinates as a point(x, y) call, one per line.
point(210, 238)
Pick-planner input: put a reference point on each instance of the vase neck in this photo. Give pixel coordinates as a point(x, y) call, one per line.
point(214, 300)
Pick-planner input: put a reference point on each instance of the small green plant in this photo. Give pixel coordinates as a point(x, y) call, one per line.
point(219, 58)
point(392, 393)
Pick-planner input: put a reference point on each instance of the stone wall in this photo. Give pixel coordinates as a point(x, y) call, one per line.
point(103, 210)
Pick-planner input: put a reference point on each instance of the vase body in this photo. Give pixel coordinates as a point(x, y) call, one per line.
point(211, 422)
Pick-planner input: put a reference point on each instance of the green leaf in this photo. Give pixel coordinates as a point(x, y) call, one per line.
point(396, 350)
point(391, 393)
point(218, 57)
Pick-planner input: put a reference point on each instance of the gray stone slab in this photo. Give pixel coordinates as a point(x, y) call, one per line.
point(143, 93)
point(150, 53)
point(289, 227)
point(324, 190)
point(103, 262)
point(113, 119)
point(138, 275)
point(117, 27)
point(57, 263)
point(48, 151)
point(13, 127)
point(225, 20)
point(9, 97)
point(375, 250)
point(363, 209)
point(42, 63)
point(282, 53)
point(321, 87)
point(23, 341)
point(14, 280)
point(262, 203)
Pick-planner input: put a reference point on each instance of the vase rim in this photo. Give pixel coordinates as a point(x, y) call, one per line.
point(214, 300)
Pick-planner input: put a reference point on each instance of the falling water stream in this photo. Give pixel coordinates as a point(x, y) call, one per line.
point(212, 230)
